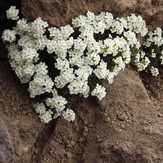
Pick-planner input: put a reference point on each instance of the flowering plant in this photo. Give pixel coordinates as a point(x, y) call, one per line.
point(63, 63)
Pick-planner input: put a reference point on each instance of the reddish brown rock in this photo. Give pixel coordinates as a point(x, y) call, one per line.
point(61, 12)
point(6, 147)
point(119, 128)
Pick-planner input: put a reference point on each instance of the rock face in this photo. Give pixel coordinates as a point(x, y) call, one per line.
point(126, 126)
point(116, 129)
point(6, 148)
point(60, 12)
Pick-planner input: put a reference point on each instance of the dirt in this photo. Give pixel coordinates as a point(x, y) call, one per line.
point(125, 127)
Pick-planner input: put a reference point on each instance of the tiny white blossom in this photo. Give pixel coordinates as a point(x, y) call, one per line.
point(57, 102)
point(12, 13)
point(99, 91)
point(154, 71)
point(46, 116)
point(9, 35)
point(68, 115)
point(40, 108)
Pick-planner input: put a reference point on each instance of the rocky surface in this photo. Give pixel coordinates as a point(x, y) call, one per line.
point(60, 12)
point(126, 126)
point(6, 148)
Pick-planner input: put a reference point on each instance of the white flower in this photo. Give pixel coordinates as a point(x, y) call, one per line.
point(117, 26)
point(92, 58)
point(29, 69)
point(64, 78)
point(99, 91)
point(79, 86)
point(41, 43)
point(66, 31)
point(143, 64)
point(12, 13)
point(99, 27)
point(83, 72)
point(110, 77)
point(51, 46)
point(79, 21)
point(22, 26)
point(41, 68)
point(75, 58)
point(101, 71)
point(120, 64)
point(154, 37)
point(126, 55)
point(40, 108)
point(9, 35)
point(61, 64)
point(46, 116)
point(153, 55)
point(136, 24)
point(40, 84)
point(90, 17)
point(57, 102)
point(68, 115)
point(142, 54)
point(29, 53)
point(131, 39)
point(79, 44)
point(61, 34)
point(154, 71)
point(38, 27)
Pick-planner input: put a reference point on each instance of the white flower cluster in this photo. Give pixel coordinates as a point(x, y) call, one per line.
point(154, 44)
point(99, 91)
point(9, 35)
point(44, 115)
point(137, 24)
point(12, 13)
point(155, 37)
point(141, 61)
point(154, 71)
point(69, 115)
point(60, 63)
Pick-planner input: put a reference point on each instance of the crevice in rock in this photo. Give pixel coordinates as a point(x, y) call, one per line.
point(3, 58)
point(151, 84)
point(41, 140)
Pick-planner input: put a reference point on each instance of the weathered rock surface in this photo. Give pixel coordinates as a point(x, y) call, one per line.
point(126, 126)
point(6, 148)
point(20, 119)
point(60, 12)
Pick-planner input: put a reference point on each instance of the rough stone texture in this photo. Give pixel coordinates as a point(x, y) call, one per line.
point(21, 121)
point(126, 126)
point(60, 12)
point(6, 148)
